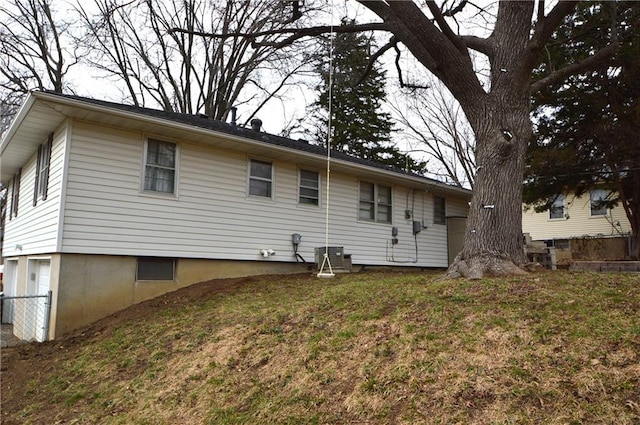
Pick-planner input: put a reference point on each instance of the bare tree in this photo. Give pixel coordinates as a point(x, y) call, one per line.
point(137, 43)
point(35, 51)
point(498, 112)
point(434, 124)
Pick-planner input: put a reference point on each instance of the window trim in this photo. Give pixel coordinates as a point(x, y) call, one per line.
point(604, 209)
point(553, 206)
point(174, 268)
point(176, 159)
point(376, 203)
point(15, 194)
point(436, 216)
point(43, 167)
point(251, 178)
point(300, 187)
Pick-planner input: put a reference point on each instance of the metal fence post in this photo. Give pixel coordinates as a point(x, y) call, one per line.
point(47, 313)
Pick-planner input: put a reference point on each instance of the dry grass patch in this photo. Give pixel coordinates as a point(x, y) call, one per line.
point(554, 348)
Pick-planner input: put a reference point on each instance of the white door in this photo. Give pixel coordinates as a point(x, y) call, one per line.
point(10, 289)
point(44, 268)
point(34, 315)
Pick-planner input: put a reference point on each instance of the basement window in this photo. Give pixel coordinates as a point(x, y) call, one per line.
point(155, 268)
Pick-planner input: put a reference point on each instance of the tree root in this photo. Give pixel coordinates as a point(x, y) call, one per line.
point(484, 265)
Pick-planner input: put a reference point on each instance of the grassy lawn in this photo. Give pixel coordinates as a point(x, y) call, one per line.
point(367, 348)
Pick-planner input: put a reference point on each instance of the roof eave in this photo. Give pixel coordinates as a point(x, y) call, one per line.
point(411, 180)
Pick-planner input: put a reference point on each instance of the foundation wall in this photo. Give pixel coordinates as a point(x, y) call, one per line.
point(95, 286)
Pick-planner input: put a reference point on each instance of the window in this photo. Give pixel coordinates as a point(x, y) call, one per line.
point(15, 193)
point(309, 187)
point(42, 170)
point(160, 166)
point(153, 268)
point(556, 210)
point(439, 210)
point(260, 178)
point(375, 203)
point(597, 199)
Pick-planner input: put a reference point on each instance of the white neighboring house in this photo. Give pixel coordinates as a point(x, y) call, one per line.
point(573, 217)
point(111, 204)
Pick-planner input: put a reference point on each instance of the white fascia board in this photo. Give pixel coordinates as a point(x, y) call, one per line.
point(17, 121)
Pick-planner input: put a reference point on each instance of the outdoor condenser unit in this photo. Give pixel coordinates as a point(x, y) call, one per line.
point(335, 253)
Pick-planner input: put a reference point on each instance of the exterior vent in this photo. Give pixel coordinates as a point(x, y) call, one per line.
point(336, 256)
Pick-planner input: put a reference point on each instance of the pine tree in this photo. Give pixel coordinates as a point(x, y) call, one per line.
point(587, 128)
point(359, 126)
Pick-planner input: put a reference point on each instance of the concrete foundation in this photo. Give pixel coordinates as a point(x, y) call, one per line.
point(89, 287)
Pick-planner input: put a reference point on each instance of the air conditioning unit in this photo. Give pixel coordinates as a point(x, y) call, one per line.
point(335, 253)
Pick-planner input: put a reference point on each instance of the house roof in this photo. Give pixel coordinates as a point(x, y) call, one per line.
point(43, 112)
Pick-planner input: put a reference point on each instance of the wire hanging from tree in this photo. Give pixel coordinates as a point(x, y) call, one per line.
point(326, 262)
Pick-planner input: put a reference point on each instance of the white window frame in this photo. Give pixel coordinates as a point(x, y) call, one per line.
point(436, 217)
point(15, 195)
point(301, 187)
point(251, 178)
point(175, 168)
point(43, 165)
point(557, 204)
point(600, 212)
point(376, 203)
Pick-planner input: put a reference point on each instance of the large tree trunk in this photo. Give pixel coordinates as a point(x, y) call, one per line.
point(493, 241)
point(499, 114)
point(493, 244)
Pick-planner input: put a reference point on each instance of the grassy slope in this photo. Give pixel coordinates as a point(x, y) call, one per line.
point(556, 348)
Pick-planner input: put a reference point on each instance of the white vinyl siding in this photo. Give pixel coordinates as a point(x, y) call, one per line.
point(34, 230)
point(214, 218)
point(577, 221)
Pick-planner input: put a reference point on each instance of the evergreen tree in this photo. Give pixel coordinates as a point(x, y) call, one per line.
point(587, 128)
point(360, 127)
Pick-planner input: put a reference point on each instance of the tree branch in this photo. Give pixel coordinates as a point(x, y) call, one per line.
point(444, 26)
point(392, 43)
point(402, 83)
point(547, 24)
point(562, 73)
point(296, 33)
point(482, 45)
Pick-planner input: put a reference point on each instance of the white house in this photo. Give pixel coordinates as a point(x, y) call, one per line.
point(112, 204)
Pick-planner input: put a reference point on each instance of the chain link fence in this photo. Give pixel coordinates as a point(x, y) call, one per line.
point(25, 317)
